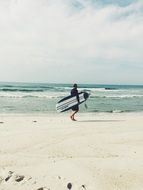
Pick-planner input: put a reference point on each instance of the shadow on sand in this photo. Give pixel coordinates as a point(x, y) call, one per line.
point(101, 120)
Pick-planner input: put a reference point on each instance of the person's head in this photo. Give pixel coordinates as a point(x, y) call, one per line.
point(75, 85)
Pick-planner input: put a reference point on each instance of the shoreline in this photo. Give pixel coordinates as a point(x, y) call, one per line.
point(68, 113)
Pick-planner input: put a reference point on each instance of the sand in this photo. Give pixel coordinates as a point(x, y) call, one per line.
point(51, 152)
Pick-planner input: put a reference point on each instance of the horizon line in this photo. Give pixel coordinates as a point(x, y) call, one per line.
point(23, 82)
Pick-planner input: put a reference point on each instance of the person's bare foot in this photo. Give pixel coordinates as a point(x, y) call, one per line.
point(72, 118)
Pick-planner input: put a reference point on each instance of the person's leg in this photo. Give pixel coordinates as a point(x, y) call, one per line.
point(75, 109)
point(72, 116)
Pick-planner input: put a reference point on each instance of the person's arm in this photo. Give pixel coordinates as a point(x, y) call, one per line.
point(77, 96)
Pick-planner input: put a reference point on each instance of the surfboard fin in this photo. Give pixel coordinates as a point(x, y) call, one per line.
point(85, 105)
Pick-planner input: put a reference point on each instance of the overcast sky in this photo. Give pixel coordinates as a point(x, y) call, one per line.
point(83, 41)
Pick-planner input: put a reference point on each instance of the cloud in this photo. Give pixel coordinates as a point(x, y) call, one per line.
point(42, 39)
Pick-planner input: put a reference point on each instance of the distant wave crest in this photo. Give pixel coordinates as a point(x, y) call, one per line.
point(20, 90)
point(118, 96)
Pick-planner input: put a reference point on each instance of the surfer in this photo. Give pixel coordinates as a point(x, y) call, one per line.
point(75, 109)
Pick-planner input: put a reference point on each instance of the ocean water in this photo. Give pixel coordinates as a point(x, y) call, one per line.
point(42, 98)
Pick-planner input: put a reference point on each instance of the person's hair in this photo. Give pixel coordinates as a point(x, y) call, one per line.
point(75, 85)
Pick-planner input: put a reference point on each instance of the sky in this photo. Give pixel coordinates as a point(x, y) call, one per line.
point(71, 41)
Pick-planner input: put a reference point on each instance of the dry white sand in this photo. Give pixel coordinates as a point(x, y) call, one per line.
point(97, 152)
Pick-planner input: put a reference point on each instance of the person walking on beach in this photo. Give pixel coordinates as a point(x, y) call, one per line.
point(75, 109)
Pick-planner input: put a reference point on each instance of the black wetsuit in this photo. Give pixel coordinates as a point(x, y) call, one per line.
point(74, 92)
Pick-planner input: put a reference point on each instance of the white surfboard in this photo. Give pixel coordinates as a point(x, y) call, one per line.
point(70, 101)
